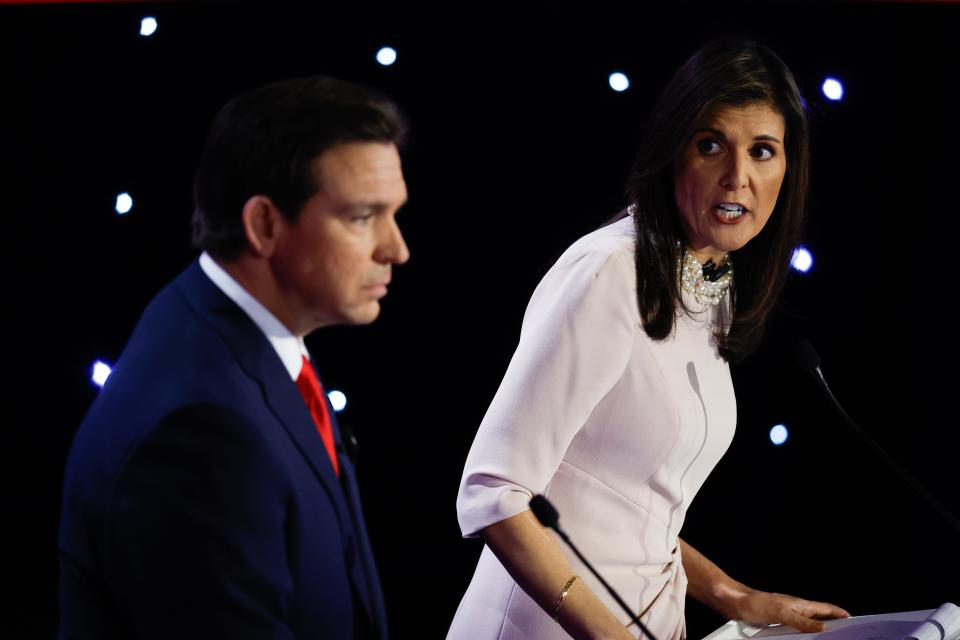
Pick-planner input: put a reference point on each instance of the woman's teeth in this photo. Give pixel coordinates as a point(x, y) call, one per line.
point(730, 211)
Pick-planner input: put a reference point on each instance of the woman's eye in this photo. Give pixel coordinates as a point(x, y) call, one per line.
point(708, 146)
point(762, 152)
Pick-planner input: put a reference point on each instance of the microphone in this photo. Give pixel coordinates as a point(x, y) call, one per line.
point(349, 445)
point(807, 357)
point(547, 514)
point(712, 272)
point(809, 361)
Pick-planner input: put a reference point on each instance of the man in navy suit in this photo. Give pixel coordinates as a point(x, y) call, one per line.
point(206, 495)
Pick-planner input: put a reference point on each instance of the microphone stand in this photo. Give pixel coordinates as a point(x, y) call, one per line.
point(547, 514)
point(808, 359)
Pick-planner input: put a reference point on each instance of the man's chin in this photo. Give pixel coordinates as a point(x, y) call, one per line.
point(365, 314)
point(359, 315)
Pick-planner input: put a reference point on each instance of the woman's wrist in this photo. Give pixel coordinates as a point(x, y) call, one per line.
point(728, 597)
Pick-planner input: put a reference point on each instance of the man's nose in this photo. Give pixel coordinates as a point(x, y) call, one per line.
point(392, 249)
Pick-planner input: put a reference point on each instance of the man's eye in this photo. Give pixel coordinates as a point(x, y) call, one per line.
point(708, 146)
point(762, 152)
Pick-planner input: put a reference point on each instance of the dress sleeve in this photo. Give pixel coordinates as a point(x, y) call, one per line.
point(575, 343)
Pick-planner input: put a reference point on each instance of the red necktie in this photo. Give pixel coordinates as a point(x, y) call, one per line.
point(312, 393)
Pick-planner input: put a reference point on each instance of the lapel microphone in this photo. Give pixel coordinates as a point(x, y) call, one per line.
point(712, 272)
point(349, 445)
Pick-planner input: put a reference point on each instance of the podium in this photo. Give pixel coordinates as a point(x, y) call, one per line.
point(930, 624)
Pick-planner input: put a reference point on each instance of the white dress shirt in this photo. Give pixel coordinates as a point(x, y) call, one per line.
point(289, 347)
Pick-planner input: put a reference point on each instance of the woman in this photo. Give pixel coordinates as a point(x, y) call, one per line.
point(618, 401)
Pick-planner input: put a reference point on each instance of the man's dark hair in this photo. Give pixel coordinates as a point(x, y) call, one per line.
point(735, 72)
point(265, 141)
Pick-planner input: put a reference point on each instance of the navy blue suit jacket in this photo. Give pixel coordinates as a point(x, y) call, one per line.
point(199, 499)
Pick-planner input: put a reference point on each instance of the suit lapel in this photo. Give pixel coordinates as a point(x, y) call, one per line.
point(257, 357)
point(363, 572)
point(260, 361)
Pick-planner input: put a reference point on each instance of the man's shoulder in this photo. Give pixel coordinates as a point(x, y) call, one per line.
point(175, 357)
point(189, 325)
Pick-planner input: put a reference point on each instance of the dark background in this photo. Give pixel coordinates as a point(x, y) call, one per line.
point(518, 148)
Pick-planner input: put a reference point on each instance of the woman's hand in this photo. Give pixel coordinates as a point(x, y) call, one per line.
point(761, 607)
point(734, 600)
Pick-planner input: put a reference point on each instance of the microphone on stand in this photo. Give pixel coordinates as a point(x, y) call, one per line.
point(548, 517)
point(809, 361)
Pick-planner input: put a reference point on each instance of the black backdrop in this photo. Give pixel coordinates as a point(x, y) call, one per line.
point(518, 148)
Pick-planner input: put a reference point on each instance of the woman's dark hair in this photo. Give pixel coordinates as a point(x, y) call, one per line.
point(265, 141)
point(732, 72)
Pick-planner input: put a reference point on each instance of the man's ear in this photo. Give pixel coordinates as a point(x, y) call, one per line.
point(262, 224)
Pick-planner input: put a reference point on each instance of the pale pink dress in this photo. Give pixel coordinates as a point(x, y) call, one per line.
point(619, 431)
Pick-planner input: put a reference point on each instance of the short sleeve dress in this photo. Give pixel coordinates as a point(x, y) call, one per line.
point(619, 431)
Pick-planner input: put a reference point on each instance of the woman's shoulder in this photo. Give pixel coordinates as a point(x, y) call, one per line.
point(596, 270)
point(609, 247)
point(593, 283)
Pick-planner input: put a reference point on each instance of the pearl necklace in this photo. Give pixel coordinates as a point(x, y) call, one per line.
point(693, 281)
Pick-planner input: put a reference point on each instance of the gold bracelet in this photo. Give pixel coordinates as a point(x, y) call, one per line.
point(563, 594)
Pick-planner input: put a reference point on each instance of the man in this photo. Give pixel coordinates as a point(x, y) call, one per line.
point(206, 494)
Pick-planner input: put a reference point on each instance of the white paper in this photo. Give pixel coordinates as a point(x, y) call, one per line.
point(943, 624)
point(931, 624)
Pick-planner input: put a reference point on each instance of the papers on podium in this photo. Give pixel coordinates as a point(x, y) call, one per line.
point(932, 624)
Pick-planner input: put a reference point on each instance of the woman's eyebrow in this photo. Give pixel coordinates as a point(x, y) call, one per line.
point(719, 134)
